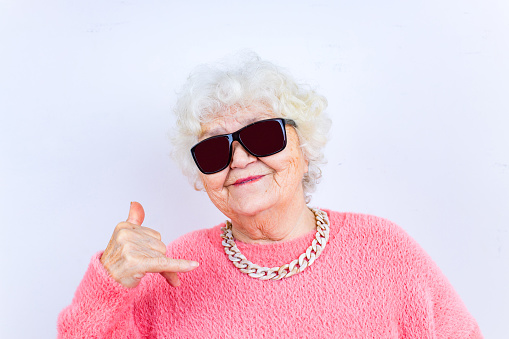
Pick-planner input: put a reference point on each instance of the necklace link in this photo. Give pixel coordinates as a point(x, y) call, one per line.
point(305, 260)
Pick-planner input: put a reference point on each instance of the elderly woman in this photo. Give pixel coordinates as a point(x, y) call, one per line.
point(252, 138)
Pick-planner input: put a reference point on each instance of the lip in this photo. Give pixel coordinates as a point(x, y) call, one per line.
point(248, 180)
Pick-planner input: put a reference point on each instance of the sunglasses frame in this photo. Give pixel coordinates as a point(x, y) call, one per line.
point(235, 137)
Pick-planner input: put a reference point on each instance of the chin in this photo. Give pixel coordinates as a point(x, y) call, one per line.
point(252, 208)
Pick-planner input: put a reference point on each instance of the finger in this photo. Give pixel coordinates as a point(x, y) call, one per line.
point(125, 236)
point(136, 213)
point(172, 278)
point(144, 241)
point(151, 232)
point(165, 264)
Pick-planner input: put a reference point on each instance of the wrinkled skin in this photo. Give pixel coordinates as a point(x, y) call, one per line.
point(263, 197)
point(272, 206)
point(135, 250)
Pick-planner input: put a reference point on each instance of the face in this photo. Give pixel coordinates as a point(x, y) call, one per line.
point(251, 185)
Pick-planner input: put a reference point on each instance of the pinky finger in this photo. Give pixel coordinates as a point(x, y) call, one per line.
point(172, 278)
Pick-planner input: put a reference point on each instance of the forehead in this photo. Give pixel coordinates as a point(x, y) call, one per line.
point(233, 119)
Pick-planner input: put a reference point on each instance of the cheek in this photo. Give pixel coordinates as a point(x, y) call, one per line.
point(293, 164)
point(305, 164)
point(214, 183)
point(294, 150)
point(289, 169)
point(298, 166)
point(293, 160)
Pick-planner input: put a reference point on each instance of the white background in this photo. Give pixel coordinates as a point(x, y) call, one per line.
point(418, 92)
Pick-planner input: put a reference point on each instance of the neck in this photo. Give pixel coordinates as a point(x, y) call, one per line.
point(281, 224)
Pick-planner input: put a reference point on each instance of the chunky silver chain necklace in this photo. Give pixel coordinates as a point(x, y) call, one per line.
point(298, 265)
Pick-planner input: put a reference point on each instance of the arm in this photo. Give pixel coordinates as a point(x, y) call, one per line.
point(432, 308)
point(101, 308)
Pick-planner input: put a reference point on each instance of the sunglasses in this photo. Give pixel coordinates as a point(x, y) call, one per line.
point(260, 139)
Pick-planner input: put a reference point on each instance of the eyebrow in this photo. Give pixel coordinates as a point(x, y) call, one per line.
point(216, 131)
point(212, 132)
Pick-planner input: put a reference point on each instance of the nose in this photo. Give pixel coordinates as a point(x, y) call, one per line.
point(240, 157)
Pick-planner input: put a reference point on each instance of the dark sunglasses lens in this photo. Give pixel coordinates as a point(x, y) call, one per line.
point(213, 154)
point(264, 138)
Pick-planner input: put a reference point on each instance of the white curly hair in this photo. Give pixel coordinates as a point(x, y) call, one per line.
point(211, 90)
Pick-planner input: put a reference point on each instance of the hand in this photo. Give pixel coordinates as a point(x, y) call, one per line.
point(135, 250)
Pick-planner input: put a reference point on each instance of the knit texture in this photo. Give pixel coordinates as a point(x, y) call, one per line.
point(371, 281)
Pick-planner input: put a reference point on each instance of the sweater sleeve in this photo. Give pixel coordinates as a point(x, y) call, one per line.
point(101, 307)
point(432, 308)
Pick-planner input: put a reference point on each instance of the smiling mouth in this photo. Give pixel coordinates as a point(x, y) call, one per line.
point(247, 180)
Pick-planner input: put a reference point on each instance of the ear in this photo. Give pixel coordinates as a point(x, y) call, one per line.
point(198, 186)
point(198, 182)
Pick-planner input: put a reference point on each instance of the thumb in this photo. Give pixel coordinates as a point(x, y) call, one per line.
point(136, 214)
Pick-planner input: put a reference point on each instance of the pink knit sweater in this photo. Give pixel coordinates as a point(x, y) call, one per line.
point(371, 281)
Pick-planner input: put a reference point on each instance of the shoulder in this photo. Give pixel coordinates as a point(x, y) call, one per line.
point(371, 246)
point(375, 237)
point(358, 224)
point(382, 246)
